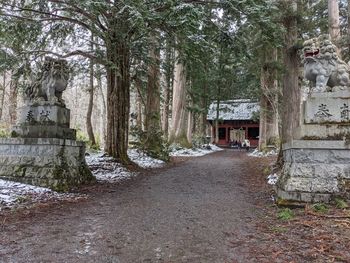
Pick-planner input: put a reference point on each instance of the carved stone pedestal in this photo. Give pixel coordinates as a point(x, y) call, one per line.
point(317, 164)
point(58, 164)
point(43, 150)
point(42, 120)
point(315, 171)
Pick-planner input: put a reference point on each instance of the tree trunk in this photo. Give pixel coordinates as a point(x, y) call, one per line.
point(118, 99)
point(104, 109)
point(189, 126)
point(154, 142)
point(216, 141)
point(178, 133)
point(152, 122)
point(3, 90)
point(333, 22)
point(262, 120)
point(268, 130)
point(89, 128)
point(204, 106)
point(13, 100)
point(165, 113)
point(291, 91)
point(139, 119)
point(218, 95)
point(167, 89)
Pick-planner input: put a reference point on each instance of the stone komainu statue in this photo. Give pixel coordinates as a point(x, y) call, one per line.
point(52, 80)
point(323, 67)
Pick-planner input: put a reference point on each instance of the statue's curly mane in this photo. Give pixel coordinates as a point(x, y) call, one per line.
point(322, 66)
point(53, 74)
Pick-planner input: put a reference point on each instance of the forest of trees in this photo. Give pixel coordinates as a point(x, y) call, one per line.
point(159, 64)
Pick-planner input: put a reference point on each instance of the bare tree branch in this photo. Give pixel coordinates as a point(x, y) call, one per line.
point(70, 54)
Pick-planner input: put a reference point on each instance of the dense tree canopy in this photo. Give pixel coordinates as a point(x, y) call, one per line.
point(224, 46)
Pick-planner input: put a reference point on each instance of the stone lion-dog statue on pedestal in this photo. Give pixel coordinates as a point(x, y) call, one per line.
point(323, 67)
point(52, 80)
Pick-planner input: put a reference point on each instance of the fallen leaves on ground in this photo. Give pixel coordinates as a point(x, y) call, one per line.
point(310, 236)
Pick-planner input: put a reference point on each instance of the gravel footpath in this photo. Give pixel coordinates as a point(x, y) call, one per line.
point(193, 211)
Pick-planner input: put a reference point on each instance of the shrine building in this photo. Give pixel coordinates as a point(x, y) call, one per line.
point(238, 120)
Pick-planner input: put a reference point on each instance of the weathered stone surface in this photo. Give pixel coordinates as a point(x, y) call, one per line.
point(43, 113)
point(43, 150)
point(324, 131)
point(311, 168)
point(323, 67)
point(42, 120)
point(54, 163)
point(327, 110)
point(325, 117)
point(51, 81)
point(47, 131)
point(303, 196)
point(317, 164)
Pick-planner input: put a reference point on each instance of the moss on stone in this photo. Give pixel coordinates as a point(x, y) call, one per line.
point(14, 134)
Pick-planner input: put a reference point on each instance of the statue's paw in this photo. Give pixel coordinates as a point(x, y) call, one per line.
point(319, 89)
point(53, 100)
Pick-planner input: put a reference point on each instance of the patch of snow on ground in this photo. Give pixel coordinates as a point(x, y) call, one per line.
point(272, 179)
point(257, 153)
point(14, 194)
point(105, 168)
point(206, 149)
point(143, 160)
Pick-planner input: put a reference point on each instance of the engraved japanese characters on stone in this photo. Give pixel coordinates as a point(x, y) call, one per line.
point(322, 112)
point(30, 117)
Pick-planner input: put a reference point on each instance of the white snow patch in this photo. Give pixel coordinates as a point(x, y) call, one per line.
point(272, 179)
point(205, 149)
point(143, 160)
point(257, 153)
point(107, 169)
point(14, 193)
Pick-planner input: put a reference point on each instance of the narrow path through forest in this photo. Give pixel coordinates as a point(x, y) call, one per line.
point(190, 212)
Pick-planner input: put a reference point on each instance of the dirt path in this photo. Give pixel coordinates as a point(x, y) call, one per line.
point(192, 212)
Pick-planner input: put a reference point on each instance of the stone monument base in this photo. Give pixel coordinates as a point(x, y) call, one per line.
point(43, 120)
point(58, 164)
point(47, 131)
point(315, 171)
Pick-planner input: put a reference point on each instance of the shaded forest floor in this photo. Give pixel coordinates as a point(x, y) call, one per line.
point(314, 233)
point(215, 208)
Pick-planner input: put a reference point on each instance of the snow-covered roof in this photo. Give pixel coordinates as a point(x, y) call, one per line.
point(242, 109)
